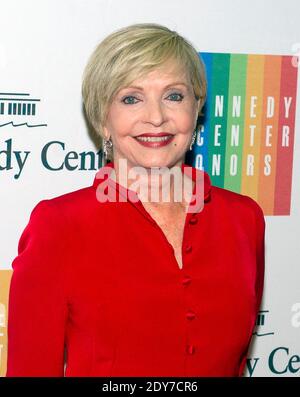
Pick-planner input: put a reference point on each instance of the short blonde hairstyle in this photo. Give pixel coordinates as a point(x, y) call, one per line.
point(130, 53)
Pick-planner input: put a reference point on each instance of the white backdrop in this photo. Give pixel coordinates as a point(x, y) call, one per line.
point(44, 46)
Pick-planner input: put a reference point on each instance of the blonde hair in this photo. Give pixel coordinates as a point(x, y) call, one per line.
point(128, 54)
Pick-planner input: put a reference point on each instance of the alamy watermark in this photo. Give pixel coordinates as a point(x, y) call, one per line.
point(155, 184)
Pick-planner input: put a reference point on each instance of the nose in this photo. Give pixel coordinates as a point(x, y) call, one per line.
point(155, 113)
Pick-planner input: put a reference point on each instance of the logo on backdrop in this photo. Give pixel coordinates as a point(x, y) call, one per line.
point(247, 137)
point(18, 104)
point(281, 360)
point(21, 110)
point(260, 324)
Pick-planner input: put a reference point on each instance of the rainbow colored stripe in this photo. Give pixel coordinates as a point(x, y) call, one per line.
point(247, 137)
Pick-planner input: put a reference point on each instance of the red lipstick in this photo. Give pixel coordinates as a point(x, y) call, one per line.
point(154, 140)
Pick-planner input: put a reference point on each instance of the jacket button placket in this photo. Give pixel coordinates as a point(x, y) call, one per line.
point(187, 285)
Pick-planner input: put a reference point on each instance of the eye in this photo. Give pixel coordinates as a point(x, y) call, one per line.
point(176, 95)
point(129, 100)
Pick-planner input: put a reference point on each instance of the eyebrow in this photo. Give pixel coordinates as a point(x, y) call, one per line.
point(167, 86)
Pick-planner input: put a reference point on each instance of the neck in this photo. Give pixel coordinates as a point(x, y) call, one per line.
point(162, 187)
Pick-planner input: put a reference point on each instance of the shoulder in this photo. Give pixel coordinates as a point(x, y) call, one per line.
point(241, 201)
point(54, 219)
point(72, 204)
point(239, 205)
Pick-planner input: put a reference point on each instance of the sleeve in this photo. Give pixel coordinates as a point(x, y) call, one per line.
point(260, 226)
point(260, 256)
point(37, 308)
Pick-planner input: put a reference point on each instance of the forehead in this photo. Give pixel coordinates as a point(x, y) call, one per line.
point(166, 73)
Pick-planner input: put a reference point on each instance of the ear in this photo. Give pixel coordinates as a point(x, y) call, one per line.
point(105, 132)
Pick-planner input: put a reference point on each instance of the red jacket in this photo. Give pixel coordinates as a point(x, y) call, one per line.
point(98, 284)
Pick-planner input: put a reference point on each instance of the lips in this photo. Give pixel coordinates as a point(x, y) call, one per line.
point(154, 140)
point(152, 134)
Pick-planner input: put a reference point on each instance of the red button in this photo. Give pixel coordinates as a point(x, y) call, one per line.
point(193, 220)
point(190, 315)
point(186, 280)
point(190, 349)
point(188, 248)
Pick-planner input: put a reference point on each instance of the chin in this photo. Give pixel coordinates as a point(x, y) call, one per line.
point(153, 163)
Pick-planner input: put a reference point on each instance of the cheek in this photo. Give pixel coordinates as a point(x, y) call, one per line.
point(120, 125)
point(185, 123)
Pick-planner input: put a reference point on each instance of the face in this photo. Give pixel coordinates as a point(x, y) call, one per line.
point(151, 121)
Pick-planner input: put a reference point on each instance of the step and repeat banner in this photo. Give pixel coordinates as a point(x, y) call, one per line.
point(248, 143)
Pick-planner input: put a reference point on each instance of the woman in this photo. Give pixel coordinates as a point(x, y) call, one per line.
point(111, 283)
